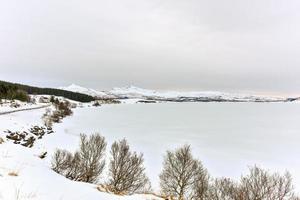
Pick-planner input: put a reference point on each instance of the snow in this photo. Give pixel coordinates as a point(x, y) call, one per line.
point(34, 179)
point(226, 137)
point(7, 106)
point(133, 92)
point(83, 90)
point(136, 92)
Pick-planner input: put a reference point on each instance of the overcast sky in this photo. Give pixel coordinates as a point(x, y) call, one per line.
point(232, 45)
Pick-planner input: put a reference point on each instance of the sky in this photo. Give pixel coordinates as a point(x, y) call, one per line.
point(232, 45)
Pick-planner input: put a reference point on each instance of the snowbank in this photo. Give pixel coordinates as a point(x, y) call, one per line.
point(23, 175)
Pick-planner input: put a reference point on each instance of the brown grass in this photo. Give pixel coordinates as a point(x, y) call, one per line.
point(13, 173)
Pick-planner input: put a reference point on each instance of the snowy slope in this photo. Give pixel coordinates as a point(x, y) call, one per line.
point(83, 90)
point(24, 176)
point(135, 92)
point(8, 107)
point(132, 92)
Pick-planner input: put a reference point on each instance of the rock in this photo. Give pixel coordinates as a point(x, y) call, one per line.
point(43, 155)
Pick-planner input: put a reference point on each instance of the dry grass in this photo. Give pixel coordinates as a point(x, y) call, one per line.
point(1, 140)
point(21, 195)
point(107, 189)
point(13, 173)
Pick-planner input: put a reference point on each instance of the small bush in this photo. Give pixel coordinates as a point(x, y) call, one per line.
point(126, 170)
point(62, 109)
point(52, 99)
point(223, 188)
point(180, 174)
point(67, 164)
point(96, 104)
point(260, 184)
point(84, 165)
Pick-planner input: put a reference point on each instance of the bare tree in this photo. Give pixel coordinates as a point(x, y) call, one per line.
point(126, 171)
point(92, 150)
point(201, 184)
point(60, 161)
point(67, 164)
point(223, 189)
point(85, 165)
point(180, 173)
point(262, 185)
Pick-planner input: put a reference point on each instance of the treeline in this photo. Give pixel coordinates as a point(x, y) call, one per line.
point(183, 177)
point(12, 92)
point(49, 91)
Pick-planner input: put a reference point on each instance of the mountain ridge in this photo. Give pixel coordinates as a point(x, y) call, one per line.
point(133, 92)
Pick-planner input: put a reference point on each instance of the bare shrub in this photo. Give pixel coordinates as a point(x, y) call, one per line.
point(62, 109)
point(201, 183)
point(92, 150)
point(65, 108)
point(56, 116)
point(96, 104)
point(260, 184)
point(67, 164)
point(223, 189)
point(48, 122)
point(180, 174)
point(85, 165)
point(1, 140)
point(126, 170)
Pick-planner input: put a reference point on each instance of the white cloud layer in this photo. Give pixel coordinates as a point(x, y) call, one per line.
point(233, 45)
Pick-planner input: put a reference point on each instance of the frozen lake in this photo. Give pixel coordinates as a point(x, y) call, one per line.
point(226, 137)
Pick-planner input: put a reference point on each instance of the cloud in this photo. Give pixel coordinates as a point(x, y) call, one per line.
point(195, 44)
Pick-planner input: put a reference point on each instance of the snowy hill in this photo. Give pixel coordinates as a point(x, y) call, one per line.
point(83, 90)
point(132, 92)
point(135, 92)
point(25, 176)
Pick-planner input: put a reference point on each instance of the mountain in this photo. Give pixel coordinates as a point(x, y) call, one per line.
point(132, 92)
point(175, 96)
point(83, 90)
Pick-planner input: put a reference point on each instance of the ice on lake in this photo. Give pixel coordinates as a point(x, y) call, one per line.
point(226, 137)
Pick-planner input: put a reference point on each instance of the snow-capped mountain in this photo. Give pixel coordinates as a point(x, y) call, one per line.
point(132, 92)
point(135, 92)
point(83, 90)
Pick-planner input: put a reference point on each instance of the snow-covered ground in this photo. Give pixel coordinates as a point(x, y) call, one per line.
point(227, 137)
point(11, 106)
point(23, 175)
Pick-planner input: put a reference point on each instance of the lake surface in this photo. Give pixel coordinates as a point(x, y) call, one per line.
point(226, 137)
